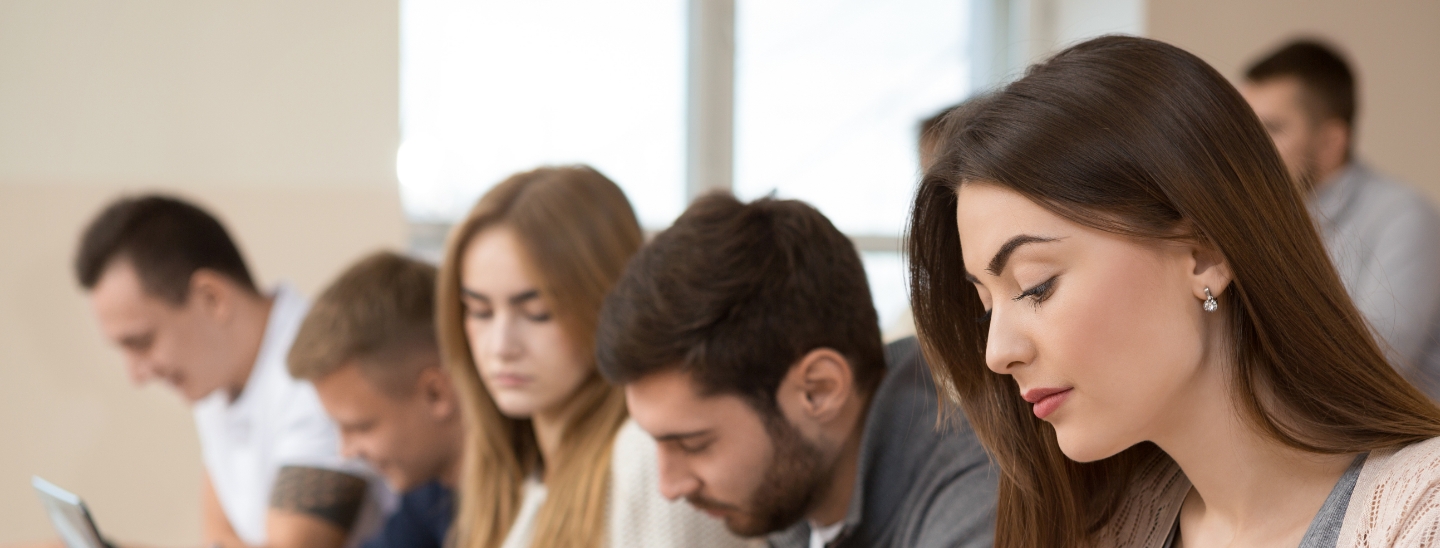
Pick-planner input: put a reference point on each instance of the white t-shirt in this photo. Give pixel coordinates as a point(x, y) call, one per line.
point(276, 421)
point(820, 537)
point(640, 517)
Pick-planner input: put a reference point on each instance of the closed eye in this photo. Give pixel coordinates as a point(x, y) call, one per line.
point(1039, 292)
point(689, 447)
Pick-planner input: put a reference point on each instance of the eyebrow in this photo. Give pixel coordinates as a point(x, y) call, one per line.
point(681, 435)
point(1002, 256)
point(518, 299)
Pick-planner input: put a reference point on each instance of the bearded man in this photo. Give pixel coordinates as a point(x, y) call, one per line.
point(748, 346)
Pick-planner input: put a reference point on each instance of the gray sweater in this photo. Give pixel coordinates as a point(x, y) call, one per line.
point(1384, 239)
point(917, 486)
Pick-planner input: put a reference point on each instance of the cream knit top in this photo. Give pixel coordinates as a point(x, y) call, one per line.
point(1396, 502)
point(639, 516)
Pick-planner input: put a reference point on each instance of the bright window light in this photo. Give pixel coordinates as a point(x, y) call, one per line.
point(490, 88)
point(829, 94)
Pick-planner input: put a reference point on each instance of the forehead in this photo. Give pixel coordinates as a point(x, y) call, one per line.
point(119, 298)
point(494, 260)
point(988, 215)
point(1274, 96)
point(670, 401)
point(349, 384)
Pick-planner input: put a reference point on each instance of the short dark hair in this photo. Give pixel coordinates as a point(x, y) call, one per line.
point(381, 312)
point(1327, 83)
point(734, 294)
point(166, 239)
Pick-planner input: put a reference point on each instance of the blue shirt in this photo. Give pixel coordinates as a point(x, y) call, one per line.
point(422, 521)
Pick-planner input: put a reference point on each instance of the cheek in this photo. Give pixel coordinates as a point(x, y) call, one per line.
point(475, 335)
point(1128, 345)
point(559, 367)
point(387, 439)
point(739, 466)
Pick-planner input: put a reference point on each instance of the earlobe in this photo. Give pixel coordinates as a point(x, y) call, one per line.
point(1211, 273)
point(826, 381)
point(206, 292)
point(437, 393)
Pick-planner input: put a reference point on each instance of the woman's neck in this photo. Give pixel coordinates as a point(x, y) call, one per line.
point(549, 426)
point(1249, 489)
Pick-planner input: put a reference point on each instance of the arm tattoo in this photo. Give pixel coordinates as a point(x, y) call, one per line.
point(333, 496)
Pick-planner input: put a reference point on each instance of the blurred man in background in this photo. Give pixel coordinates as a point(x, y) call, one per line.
point(369, 347)
point(930, 143)
point(1383, 236)
point(171, 290)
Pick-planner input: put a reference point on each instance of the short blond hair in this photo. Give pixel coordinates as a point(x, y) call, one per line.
point(380, 315)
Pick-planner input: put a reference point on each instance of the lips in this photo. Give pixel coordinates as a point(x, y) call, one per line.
point(509, 380)
point(1046, 400)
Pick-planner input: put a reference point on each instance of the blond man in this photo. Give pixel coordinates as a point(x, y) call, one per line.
point(368, 345)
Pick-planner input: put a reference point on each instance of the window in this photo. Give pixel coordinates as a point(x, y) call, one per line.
point(490, 88)
point(827, 97)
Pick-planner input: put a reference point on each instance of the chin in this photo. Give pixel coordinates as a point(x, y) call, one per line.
point(745, 526)
point(400, 484)
point(191, 396)
point(512, 409)
point(1082, 445)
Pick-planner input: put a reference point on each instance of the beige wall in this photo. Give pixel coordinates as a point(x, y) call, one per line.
point(280, 116)
point(1395, 45)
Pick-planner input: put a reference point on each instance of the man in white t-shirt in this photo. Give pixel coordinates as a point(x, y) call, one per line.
point(170, 289)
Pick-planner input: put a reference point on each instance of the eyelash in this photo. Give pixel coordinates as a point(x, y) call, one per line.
point(689, 450)
point(1040, 293)
point(486, 314)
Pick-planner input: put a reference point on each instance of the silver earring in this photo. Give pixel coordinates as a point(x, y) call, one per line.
point(1210, 303)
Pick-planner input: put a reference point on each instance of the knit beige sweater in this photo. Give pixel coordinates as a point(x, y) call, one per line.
point(1396, 503)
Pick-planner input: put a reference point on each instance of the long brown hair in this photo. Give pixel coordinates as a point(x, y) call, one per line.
point(578, 232)
point(1142, 139)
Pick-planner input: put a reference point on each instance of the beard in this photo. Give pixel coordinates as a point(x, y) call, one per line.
point(789, 488)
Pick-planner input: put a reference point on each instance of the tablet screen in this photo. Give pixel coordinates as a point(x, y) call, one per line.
point(68, 514)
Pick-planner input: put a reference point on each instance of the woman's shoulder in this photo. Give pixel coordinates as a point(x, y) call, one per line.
point(1146, 514)
point(1396, 501)
point(634, 464)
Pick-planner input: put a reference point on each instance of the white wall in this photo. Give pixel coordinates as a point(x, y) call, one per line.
point(281, 117)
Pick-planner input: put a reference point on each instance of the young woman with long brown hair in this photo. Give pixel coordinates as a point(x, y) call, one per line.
point(551, 459)
point(1115, 275)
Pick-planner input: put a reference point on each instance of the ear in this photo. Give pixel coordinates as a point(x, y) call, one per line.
point(817, 390)
point(438, 394)
point(1210, 270)
point(212, 294)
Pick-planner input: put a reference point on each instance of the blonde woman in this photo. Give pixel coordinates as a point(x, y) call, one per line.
point(552, 459)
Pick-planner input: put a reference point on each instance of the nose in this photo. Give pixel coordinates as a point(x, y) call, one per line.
point(349, 448)
point(139, 370)
point(676, 481)
point(505, 337)
point(1007, 346)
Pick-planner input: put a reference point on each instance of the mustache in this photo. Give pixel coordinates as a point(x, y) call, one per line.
point(703, 503)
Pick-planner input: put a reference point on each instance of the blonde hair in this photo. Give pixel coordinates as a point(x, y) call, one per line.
point(578, 232)
point(381, 313)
